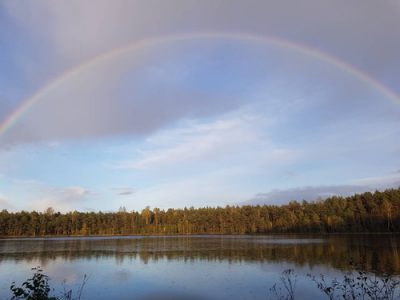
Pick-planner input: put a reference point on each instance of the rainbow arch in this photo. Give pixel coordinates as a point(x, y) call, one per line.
point(28, 103)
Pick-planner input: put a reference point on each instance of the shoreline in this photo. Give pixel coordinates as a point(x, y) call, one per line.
point(201, 235)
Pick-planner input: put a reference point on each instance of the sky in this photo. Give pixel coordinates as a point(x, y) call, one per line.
point(109, 104)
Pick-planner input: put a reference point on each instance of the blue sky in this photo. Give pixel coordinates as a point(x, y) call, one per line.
point(198, 121)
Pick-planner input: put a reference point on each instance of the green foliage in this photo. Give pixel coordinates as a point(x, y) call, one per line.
point(368, 212)
point(35, 288)
point(38, 288)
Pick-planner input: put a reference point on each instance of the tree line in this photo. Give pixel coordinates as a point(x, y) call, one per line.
point(367, 212)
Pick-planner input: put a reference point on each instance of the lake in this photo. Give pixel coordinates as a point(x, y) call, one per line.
point(193, 267)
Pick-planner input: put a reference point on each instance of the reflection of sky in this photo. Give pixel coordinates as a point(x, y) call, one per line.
point(204, 267)
point(205, 280)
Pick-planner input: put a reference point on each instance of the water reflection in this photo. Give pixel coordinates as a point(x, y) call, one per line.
point(376, 253)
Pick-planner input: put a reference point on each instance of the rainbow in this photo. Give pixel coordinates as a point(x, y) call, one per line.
point(28, 103)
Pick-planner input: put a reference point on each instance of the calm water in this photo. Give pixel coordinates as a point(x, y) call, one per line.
point(196, 267)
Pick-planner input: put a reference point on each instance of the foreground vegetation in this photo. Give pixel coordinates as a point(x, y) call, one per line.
point(368, 212)
point(353, 285)
point(38, 288)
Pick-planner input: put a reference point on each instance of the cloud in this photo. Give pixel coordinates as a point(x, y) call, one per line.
point(243, 137)
point(90, 104)
point(198, 190)
point(28, 194)
point(172, 102)
point(76, 31)
point(61, 199)
point(72, 193)
point(311, 193)
point(124, 191)
point(380, 181)
point(4, 204)
point(194, 142)
point(123, 98)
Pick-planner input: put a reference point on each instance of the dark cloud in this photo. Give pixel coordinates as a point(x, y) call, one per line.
point(104, 103)
point(124, 191)
point(362, 33)
point(311, 193)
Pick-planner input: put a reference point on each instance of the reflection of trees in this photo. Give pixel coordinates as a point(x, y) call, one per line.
point(374, 253)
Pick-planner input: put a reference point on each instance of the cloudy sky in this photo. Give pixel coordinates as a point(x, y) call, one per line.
point(196, 103)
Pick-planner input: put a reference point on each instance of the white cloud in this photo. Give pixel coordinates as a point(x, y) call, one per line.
point(73, 192)
point(4, 204)
point(199, 141)
point(61, 199)
point(214, 188)
point(379, 181)
point(207, 142)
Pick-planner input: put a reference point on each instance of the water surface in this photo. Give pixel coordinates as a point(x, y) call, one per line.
point(193, 267)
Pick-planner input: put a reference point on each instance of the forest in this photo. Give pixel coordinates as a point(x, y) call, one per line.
point(367, 212)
